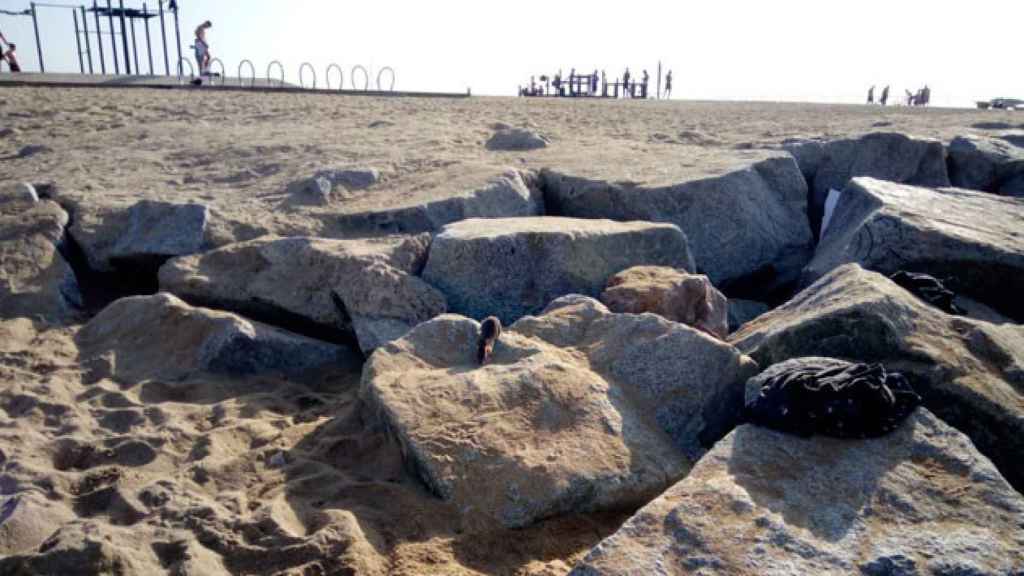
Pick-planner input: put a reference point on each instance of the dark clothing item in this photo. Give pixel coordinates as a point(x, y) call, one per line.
point(929, 289)
point(844, 401)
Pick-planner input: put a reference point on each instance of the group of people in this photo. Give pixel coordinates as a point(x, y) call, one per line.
point(921, 98)
point(593, 85)
point(8, 55)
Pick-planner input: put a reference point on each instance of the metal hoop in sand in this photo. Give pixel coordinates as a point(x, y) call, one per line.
point(302, 68)
point(271, 67)
point(341, 77)
point(390, 71)
point(252, 77)
point(366, 78)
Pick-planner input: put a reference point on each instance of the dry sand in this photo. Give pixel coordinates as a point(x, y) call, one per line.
point(274, 468)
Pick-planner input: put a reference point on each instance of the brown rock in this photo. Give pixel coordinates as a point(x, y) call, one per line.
point(671, 293)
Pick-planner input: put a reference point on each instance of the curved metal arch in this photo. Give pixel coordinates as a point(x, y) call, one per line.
point(341, 77)
point(252, 68)
point(181, 69)
point(390, 70)
point(223, 71)
point(271, 67)
point(366, 77)
point(311, 69)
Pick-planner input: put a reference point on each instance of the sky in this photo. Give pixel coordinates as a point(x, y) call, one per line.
point(782, 50)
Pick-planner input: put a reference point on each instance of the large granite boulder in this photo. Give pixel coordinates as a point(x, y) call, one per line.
point(751, 221)
point(971, 240)
point(986, 164)
point(921, 500)
point(331, 289)
point(670, 293)
point(145, 337)
point(579, 409)
point(516, 140)
point(969, 372)
point(514, 266)
point(35, 279)
point(886, 156)
point(144, 234)
point(509, 195)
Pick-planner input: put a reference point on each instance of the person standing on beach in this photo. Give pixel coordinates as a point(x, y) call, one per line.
point(668, 85)
point(643, 85)
point(871, 95)
point(885, 96)
point(202, 48)
point(625, 83)
point(12, 58)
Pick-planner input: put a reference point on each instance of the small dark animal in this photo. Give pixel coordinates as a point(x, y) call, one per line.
point(490, 331)
point(846, 401)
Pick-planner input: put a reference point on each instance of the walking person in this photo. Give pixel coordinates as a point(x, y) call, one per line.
point(871, 95)
point(668, 85)
point(625, 83)
point(202, 48)
point(885, 96)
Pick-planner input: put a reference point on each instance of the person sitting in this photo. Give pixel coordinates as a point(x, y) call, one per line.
point(12, 58)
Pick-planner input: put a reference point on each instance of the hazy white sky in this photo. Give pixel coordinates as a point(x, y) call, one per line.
point(804, 50)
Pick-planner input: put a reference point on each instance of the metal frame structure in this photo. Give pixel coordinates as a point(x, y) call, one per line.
point(380, 73)
point(305, 65)
point(252, 67)
point(279, 65)
point(124, 42)
point(366, 77)
point(341, 77)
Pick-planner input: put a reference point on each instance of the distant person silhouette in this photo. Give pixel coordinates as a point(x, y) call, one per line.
point(871, 95)
point(604, 84)
point(643, 85)
point(926, 95)
point(668, 85)
point(12, 58)
point(625, 83)
point(910, 97)
point(885, 96)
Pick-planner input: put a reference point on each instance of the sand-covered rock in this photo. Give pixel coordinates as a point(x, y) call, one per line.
point(509, 195)
point(334, 289)
point(515, 266)
point(35, 279)
point(516, 140)
point(334, 184)
point(579, 409)
point(883, 155)
point(671, 293)
point(161, 336)
point(970, 240)
point(986, 164)
point(145, 233)
point(969, 372)
point(921, 500)
point(750, 220)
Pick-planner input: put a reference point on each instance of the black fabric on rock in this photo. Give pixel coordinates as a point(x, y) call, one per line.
point(929, 289)
point(847, 401)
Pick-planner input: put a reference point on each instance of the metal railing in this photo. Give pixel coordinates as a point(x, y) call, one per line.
point(302, 68)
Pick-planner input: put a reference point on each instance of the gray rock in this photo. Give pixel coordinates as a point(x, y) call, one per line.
point(749, 221)
point(809, 154)
point(507, 196)
point(515, 266)
point(969, 239)
point(147, 232)
point(885, 156)
point(18, 193)
point(332, 289)
point(35, 279)
point(516, 139)
point(326, 185)
point(984, 163)
point(743, 311)
point(160, 336)
point(969, 372)
point(763, 502)
point(579, 409)
point(33, 149)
